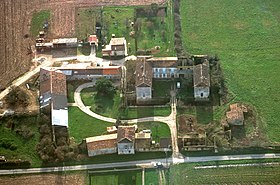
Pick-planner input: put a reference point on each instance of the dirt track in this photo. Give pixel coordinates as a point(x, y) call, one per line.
point(15, 20)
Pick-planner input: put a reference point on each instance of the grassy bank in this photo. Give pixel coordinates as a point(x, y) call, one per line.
point(22, 148)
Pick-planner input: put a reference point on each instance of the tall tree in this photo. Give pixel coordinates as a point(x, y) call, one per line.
point(105, 87)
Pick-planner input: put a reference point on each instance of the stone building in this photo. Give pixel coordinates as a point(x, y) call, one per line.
point(201, 81)
point(104, 144)
point(236, 114)
point(126, 139)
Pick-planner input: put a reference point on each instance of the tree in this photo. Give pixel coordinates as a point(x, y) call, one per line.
point(105, 87)
point(17, 97)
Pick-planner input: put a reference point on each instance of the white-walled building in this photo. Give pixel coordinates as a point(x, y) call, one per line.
point(201, 81)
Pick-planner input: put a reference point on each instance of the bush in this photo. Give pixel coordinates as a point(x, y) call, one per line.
point(8, 144)
point(15, 164)
point(25, 132)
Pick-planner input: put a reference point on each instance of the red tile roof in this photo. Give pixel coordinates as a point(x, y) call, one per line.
point(92, 38)
point(111, 71)
point(126, 132)
point(102, 142)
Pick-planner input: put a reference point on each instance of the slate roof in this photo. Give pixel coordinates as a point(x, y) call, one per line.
point(126, 132)
point(59, 101)
point(144, 73)
point(201, 77)
point(102, 142)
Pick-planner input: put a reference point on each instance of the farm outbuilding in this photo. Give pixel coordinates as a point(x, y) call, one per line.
point(104, 144)
point(93, 40)
point(235, 116)
point(143, 141)
point(116, 47)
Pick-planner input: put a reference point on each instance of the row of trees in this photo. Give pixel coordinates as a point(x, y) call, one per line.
point(178, 31)
point(58, 150)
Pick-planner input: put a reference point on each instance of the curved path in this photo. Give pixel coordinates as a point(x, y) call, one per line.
point(169, 120)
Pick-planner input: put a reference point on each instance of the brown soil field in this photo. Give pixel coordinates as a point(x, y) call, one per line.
point(15, 22)
point(76, 178)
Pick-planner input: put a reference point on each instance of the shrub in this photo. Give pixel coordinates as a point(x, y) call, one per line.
point(25, 132)
point(8, 144)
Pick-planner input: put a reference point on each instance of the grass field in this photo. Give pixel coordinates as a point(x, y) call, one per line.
point(82, 125)
point(38, 20)
point(117, 20)
point(186, 174)
point(115, 178)
point(245, 35)
point(25, 148)
point(157, 31)
point(86, 21)
point(151, 177)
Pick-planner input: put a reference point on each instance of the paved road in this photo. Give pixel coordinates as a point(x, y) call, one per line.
point(25, 77)
point(138, 163)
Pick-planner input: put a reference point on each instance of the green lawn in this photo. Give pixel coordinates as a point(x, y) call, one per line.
point(82, 125)
point(162, 88)
point(185, 174)
point(116, 20)
point(38, 20)
point(103, 105)
point(25, 148)
point(159, 130)
point(245, 35)
point(141, 112)
point(109, 106)
point(115, 178)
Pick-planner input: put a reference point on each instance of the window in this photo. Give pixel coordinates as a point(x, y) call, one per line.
point(143, 95)
point(201, 94)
